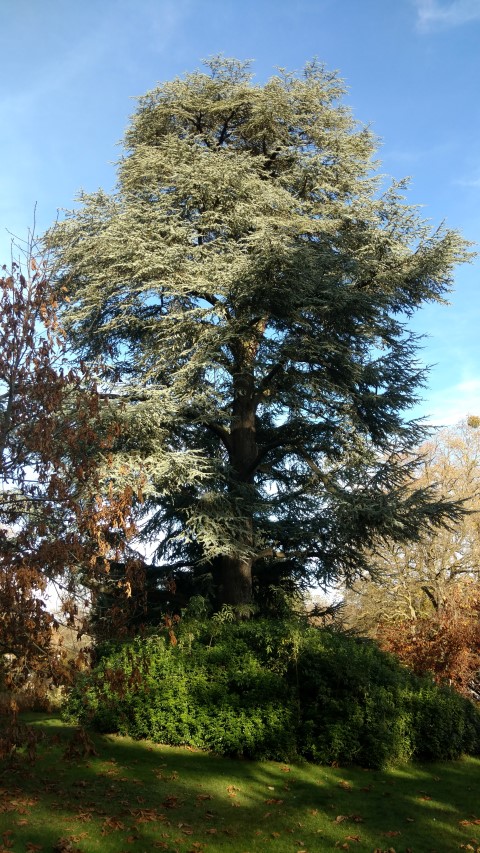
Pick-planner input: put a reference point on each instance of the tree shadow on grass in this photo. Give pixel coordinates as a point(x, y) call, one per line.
point(140, 797)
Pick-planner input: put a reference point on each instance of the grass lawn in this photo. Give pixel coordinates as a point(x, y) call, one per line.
point(140, 797)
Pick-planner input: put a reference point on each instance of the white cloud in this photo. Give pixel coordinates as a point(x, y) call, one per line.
point(453, 404)
point(438, 13)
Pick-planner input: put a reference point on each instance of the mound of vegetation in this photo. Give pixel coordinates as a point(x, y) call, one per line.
point(273, 689)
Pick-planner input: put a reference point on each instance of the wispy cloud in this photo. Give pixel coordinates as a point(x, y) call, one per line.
point(432, 14)
point(468, 182)
point(453, 404)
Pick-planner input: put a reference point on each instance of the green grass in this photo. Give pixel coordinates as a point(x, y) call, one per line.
point(139, 797)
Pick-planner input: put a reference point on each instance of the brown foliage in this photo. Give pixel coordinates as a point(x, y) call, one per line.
point(445, 644)
point(422, 601)
point(54, 526)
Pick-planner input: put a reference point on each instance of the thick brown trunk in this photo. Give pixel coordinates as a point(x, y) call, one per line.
point(236, 571)
point(236, 586)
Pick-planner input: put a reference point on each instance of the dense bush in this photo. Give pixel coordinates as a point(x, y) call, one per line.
point(273, 689)
point(218, 696)
point(359, 704)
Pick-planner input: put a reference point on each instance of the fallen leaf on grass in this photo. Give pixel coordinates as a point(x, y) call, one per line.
point(356, 818)
point(147, 815)
point(65, 845)
point(393, 833)
point(111, 824)
point(273, 801)
point(345, 785)
point(170, 802)
point(33, 848)
point(85, 817)
point(352, 838)
point(24, 802)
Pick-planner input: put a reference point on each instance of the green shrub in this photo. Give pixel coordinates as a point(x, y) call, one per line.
point(217, 697)
point(274, 689)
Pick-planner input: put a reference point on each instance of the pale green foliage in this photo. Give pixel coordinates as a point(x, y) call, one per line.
point(249, 284)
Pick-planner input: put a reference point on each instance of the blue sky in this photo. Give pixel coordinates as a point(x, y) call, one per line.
point(71, 68)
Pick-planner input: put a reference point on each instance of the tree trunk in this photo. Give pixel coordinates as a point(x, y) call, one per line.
point(236, 571)
point(236, 588)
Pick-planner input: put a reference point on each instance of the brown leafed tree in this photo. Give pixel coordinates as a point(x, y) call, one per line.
point(55, 530)
point(445, 644)
point(422, 600)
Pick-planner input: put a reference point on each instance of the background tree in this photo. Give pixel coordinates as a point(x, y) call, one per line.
point(53, 526)
point(421, 599)
point(248, 287)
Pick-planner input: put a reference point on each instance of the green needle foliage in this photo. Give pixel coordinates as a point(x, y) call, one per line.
point(248, 288)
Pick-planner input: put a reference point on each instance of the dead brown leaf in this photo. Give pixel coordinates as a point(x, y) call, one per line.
point(111, 824)
point(232, 790)
point(66, 845)
point(170, 802)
